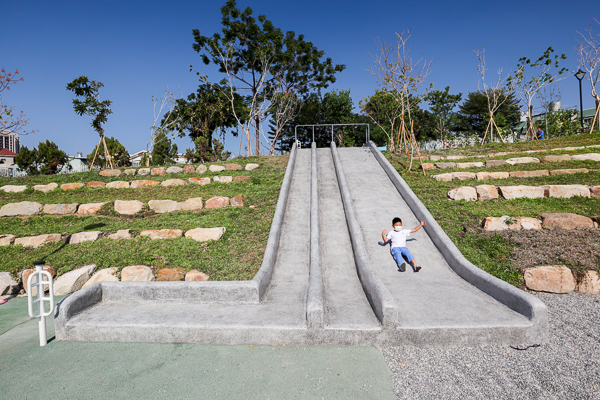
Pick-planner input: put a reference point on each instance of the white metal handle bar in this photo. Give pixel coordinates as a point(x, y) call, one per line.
point(40, 293)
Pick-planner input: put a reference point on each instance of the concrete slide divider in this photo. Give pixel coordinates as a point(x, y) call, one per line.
point(381, 299)
point(264, 274)
point(242, 292)
point(314, 302)
point(73, 304)
point(524, 303)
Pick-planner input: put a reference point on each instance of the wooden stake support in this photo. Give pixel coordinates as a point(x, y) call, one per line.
point(107, 155)
point(596, 119)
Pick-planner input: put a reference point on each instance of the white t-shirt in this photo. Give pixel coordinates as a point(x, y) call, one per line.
point(398, 238)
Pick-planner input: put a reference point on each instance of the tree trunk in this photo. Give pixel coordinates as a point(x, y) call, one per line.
point(257, 120)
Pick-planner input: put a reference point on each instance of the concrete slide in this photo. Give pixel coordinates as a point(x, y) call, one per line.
point(325, 279)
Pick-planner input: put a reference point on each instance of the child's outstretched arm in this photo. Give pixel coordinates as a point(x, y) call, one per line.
point(385, 240)
point(418, 227)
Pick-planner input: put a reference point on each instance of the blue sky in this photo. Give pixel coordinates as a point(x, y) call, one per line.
point(138, 49)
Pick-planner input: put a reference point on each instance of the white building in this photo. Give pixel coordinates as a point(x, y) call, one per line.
point(136, 158)
point(10, 140)
point(7, 160)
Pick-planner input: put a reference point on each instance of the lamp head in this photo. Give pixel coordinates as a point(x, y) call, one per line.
point(580, 74)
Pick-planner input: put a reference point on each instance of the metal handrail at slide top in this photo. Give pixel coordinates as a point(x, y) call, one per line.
point(368, 133)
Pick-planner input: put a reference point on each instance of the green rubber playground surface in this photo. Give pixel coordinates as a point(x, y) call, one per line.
point(86, 370)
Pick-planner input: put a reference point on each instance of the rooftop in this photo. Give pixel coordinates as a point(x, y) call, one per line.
point(7, 152)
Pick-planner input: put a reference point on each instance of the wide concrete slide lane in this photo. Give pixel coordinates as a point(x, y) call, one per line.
point(438, 306)
point(382, 301)
point(346, 306)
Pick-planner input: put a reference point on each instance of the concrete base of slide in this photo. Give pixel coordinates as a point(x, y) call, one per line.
point(347, 291)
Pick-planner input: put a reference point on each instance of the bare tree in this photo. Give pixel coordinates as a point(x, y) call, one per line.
point(548, 96)
point(163, 108)
point(10, 119)
point(496, 94)
point(285, 104)
point(257, 105)
point(588, 50)
point(541, 76)
point(397, 72)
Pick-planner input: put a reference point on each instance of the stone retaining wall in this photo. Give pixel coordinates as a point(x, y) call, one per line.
point(481, 176)
point(84, 276)
point(198, 234)
point(123, 207)
point(506, 153)
point(177, 170)
point(567, 221)
point(513, 161)
point(126, 184)
point(489, 192)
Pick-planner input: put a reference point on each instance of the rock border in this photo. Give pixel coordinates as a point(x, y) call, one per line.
point(135, 184)
point(123, 207)
point(506, 153)
point(481, 176)
point(560, 279)
point(35, 241)
point(82, 277)
point(489, 192)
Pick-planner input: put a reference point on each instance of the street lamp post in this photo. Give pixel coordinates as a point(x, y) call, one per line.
point(580, 75)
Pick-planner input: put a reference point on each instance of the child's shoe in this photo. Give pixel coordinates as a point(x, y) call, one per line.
point(402, 267)
point(417, 268)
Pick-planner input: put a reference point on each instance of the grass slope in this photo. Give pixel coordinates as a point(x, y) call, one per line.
point(461, 220)
point(237, 255)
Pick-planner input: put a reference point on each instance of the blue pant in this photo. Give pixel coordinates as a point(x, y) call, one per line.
point(398, 252)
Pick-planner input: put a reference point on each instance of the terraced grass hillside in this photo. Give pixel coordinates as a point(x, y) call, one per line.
point(236, 255)
point(506, 253)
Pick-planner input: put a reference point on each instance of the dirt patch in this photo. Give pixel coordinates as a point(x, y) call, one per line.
point(578, 248)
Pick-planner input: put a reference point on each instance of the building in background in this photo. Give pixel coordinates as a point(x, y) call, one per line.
point(7, 160)
point(136, 158)
point(10, 141)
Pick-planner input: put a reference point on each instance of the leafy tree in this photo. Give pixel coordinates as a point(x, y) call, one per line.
point(204, 112)
point(118, 152)
point(441, 105)
point(51, 159)
point(384, 109)
point(203, 152)
point(163, 151)
point(562, 123)
point(10, 119)
point(542, 74)
point(425, 125)
point(46, 159)
point(92, 106)
point(257, 57)
point(473, 113)
point(26, 160)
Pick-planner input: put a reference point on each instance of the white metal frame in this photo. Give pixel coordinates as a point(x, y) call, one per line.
point(39, 283)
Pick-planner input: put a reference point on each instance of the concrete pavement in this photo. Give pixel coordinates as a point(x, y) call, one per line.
point(93, 370)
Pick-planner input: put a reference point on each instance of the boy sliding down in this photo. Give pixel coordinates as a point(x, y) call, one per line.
point(398, 237)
